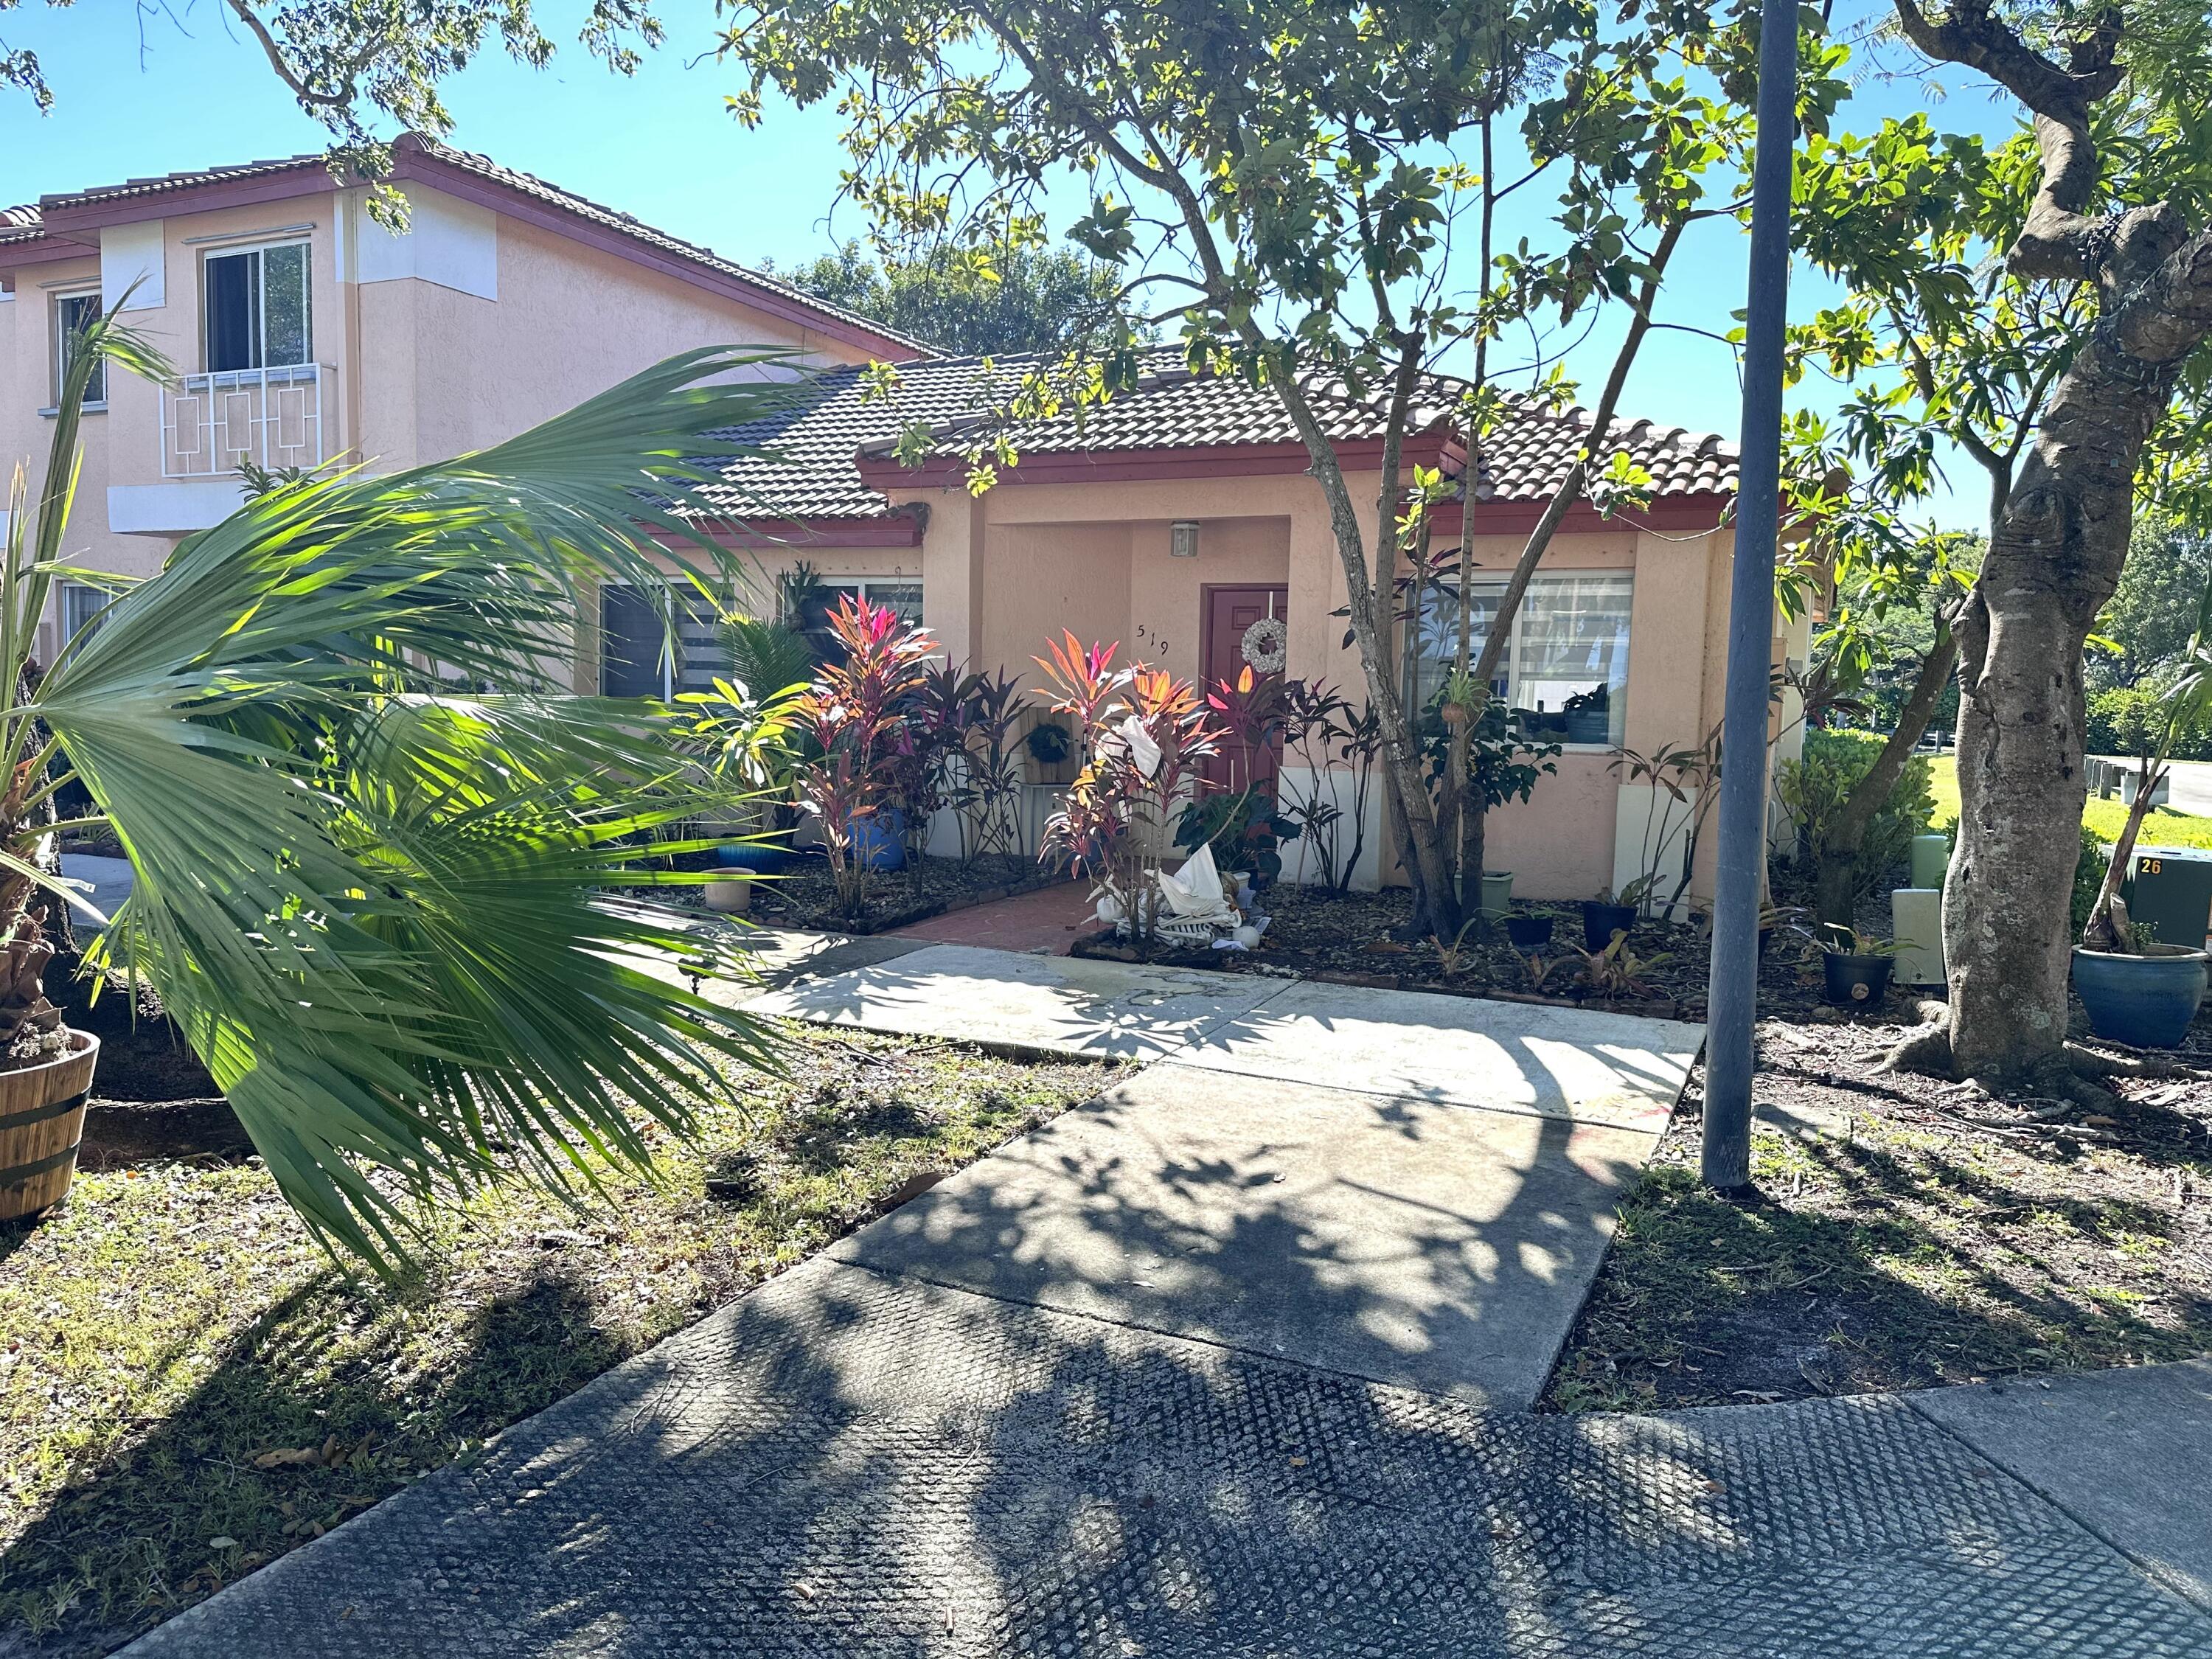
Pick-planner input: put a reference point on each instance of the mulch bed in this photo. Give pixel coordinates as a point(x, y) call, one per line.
point(803, 896)
point(1359, 939)
point(1928, 1234)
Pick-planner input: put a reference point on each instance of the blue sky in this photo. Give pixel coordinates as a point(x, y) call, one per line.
point(134, 99)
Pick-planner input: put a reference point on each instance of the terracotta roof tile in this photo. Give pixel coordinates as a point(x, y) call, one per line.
point(813, 471)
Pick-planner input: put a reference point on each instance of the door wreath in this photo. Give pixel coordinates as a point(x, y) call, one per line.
point(1264, 644)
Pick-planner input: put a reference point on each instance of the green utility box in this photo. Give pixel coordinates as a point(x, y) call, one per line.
point(2170, 890)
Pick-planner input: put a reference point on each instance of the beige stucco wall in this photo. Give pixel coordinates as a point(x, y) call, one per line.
point(1024, 561)
point(419, 370)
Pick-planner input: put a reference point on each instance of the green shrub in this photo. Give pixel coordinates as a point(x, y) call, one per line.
point(2125, 720)
point(2088, 879)
point(1813, 790)
point(2129, 721)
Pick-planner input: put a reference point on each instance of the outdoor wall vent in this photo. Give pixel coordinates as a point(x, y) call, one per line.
point(1183, 539)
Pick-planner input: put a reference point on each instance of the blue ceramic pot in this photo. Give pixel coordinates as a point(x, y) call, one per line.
point(761, 860)
point(879, 839)
point(2147, 1002)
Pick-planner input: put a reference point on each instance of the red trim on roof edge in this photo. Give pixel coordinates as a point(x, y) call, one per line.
point(1692, 513)
point(44, 250)
point(891, 528)
point(1129, 465)
point(309, 177)
point(458, 181)
point(312, 177)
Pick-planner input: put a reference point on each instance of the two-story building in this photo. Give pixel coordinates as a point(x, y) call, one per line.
point(305, 332)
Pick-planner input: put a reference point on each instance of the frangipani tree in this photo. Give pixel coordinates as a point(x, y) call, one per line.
point(1287, 185)
point(384, 904)
point(2076, 258)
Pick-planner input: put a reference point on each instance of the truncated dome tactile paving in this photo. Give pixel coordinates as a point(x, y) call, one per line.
point(845, 1463)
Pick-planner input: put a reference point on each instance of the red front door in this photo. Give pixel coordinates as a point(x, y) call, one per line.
point(1232, 639)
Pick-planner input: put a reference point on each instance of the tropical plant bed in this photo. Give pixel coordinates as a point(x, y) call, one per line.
point(804, 895)
point(1357, 938)
point(1927, 1234)
point(188, 1388)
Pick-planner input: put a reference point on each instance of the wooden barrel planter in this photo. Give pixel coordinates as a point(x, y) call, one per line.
point(41, 1120)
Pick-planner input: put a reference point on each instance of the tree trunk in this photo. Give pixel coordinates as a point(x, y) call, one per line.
point(2056, 547)
point(1836, 859)
point(2055, 557)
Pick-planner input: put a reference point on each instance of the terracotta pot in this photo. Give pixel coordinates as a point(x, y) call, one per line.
point(41, 1120)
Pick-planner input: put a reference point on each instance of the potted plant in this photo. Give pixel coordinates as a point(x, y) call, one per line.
point(1529, 932)
point(855, 712)
point(1855, 967)
point(1483, 758)
point(751, 735)
point(2136, 989)
point(1683, 783)
point(1605, 915)
point(746, 744)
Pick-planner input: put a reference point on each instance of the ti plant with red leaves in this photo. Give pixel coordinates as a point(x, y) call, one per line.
point(1144, 735)
point(988, 781)
point(1241, 822)
point(858, 712)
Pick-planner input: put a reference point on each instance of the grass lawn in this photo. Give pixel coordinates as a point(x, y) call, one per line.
point(1928, 1234)
point(2106, 818)
point(188, 1389)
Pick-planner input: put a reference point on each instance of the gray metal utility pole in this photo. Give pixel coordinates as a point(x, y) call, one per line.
point(1732, 1005)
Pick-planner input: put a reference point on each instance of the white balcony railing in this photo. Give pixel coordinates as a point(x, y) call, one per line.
point(273, 417)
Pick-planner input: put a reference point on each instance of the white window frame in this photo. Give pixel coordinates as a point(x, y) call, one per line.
point(68, 596)
point(865, 587)
point(208, 255)
point(60, 304)
point(1516, 652)
point(670, 672)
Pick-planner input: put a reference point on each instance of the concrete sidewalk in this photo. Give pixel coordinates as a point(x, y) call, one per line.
point(1212, 1365)
point(1413, 1189)
point(846, 1463)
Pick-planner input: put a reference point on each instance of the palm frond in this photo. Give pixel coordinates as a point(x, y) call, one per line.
point(392, 913)
point(766, 657)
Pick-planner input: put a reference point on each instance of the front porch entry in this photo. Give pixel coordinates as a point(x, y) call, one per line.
point(1240, 626)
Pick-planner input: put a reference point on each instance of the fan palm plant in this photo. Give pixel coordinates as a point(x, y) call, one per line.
point(394, 912)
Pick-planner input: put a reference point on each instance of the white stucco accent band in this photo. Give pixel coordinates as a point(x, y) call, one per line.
point(170, 509)
point(452, 243)
point(133, 253)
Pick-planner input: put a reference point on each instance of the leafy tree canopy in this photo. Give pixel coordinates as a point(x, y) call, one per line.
point(976, 301)
point(2146, 629)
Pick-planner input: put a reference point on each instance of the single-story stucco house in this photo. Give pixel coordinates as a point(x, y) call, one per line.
point(1169, 517)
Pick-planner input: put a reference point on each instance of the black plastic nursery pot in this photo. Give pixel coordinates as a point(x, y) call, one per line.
point(1529, 932)
point(1856, 982)
point(1602, 921)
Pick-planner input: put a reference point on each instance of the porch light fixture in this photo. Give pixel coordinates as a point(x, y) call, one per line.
point(1183, 539)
